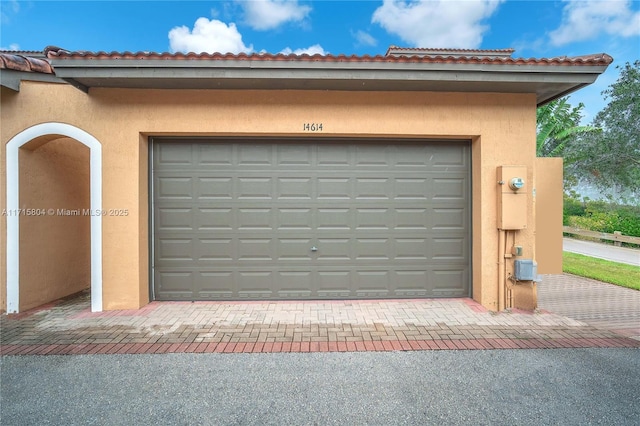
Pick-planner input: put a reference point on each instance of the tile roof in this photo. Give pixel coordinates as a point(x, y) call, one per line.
point(23, 61)
point(424, 51)
point(424, 56)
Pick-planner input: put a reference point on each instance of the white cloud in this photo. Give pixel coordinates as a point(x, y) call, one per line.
point(364, 39)
point(5, 15)
point(585, 20)
point(208, 36)
point(311, 50)
point(438, 23)
point(12, 46)
point(269, 14)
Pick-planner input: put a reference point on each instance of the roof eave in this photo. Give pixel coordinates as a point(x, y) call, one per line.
point(12, 79)
point(546, 80)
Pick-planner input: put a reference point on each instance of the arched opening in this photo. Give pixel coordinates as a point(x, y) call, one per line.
point(55, 247)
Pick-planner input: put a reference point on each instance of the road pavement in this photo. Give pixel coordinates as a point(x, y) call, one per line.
point(493, 387)
point(602, 251)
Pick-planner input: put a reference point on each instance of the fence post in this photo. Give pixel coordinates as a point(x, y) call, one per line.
point(617, 243)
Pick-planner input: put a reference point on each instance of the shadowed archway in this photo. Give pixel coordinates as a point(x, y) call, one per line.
point(45, 132)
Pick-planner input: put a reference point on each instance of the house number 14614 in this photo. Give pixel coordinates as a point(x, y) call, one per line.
point(312, 127)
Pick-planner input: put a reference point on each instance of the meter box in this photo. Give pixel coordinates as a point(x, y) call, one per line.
point(512, 197)
point(525, 270)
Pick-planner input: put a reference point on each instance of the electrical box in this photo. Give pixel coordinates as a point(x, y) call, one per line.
point(516, 250)
point(525, 270)
point(512, 197)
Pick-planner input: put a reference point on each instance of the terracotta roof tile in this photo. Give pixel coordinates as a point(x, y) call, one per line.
point(22, 62)
point(468, 52)
point(462, 56)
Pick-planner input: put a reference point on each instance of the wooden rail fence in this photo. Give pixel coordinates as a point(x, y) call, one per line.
point(616, 237)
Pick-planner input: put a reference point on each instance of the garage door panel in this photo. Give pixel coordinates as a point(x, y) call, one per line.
point(334, 188)
point(254, 154)
point(372, 284)
point(255, 284)
point(294, 155)
point(214, 189)
point(239, 220)
point(372, 188)
point(171, 155)
point(413, 219)
point(443, 157)
point(294, 249)
point(372, 219)
point(334, 219)
point(334, 249)
point(174, 218)
point(411, 189)
point(218, 155)
point(412, 249)
point(215, 219)
point(410, 283)
point(294, 219)
point(173, 285)
point(371, 155)
point(292, 188)
point(449, 248)
point(255, 188)
point(449, 189)
point(334, 284)
point(294, 284)
point(252, 249)
point(254, 219)
point(448, 280)
point(416, 157)
point(449, 218)
point(373, 249)
point(216, 250)
point(216, 285)
point(175, 249)
point(175, 188)
point(334, 156)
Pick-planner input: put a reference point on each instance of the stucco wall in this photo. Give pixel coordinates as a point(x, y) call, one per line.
point(501, 127)
point(549, 178)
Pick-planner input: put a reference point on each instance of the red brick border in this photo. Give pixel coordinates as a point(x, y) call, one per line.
point(276, 347)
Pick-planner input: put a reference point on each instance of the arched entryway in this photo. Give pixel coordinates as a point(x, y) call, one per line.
point(43, 133)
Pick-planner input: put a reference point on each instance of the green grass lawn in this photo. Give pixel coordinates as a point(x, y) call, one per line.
point(602, 270)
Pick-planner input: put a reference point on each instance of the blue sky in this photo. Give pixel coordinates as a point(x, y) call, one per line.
point(534, 28)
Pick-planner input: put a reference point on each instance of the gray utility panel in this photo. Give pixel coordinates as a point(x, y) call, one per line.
point(310, 219)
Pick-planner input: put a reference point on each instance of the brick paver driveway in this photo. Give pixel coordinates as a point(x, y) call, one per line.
point(602, 305)
point(68, 327)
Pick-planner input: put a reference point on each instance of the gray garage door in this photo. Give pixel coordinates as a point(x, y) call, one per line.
point(310, 219)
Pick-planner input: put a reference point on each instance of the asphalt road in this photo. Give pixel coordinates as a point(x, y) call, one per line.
point(602, 251)
point(558, 386)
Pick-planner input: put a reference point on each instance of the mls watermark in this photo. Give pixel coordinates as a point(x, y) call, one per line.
point(64, 212)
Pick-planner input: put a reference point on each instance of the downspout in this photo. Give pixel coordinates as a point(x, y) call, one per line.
point(501, 268)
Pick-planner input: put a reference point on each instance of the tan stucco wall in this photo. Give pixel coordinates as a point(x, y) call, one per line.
point(549, 178)
point(501, 127)
point(54, 241)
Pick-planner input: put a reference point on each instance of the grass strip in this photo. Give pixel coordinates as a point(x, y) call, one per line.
point(602, 270)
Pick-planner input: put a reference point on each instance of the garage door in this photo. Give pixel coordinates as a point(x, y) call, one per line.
point(317, 219)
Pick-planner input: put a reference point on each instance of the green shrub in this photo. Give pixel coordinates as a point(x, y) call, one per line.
point(601, 216)
point(604, 217)
point(571, 207)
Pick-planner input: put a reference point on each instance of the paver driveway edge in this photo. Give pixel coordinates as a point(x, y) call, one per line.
point(389, 345)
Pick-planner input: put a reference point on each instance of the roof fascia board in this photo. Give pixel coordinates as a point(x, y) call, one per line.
point(561, 94)
point(63, 64)
point(12, 78)
point(70, 74)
